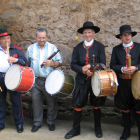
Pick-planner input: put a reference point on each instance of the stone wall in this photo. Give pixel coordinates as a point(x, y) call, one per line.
point(63, 17)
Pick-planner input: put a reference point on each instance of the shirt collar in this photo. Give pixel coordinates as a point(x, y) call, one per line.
point(127, 45)
point(44, 45)
point(88, 43)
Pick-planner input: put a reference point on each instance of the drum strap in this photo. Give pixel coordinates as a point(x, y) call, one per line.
point(78, 109)
point(126, 111)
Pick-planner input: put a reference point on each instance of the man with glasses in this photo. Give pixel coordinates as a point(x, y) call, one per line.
point(37, 54)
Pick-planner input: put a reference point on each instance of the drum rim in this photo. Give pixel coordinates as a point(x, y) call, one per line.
point(91, 82)
point(18, 82)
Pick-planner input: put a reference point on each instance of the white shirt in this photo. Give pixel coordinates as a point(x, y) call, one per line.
point(88, 43)
point(4, 65)
point(128, 45)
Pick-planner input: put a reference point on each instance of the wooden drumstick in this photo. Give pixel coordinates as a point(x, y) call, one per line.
point(93, 58)
point(0, 88)
point(8, 49)
point(92, 70)
point(129, 61)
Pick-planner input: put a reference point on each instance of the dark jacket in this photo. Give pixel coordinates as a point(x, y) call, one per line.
point(118, 58)
point(79, 55)
point(16, 51)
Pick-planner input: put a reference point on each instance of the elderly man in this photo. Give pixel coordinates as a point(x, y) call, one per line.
point(37, 54)
point(15, 56)
point(120, 63)
point(81, 63)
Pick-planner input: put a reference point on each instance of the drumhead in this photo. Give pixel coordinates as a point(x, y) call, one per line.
point(95, 84)
point(12, 77)
point(54, 81)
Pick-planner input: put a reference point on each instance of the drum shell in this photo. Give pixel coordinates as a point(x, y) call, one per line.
point(135, 85)
point(67, 86)
point(105, 89)
point(26, 79)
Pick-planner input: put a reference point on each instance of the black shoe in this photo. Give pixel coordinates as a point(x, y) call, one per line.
point(98, 131)
point(19, 128)
point(72, 133)
point(35, 128)
point(51, 127)
point(125, 135)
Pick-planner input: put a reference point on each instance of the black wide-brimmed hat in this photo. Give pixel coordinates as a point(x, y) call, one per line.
point(88, 25)
point(4, 33)
point(126, 29)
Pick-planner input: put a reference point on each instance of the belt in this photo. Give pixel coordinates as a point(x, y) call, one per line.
point(3, 74)
point(125, 76)
point(42, 78)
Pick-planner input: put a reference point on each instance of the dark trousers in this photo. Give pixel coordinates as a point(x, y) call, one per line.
point(80, 95)
point(15, 98)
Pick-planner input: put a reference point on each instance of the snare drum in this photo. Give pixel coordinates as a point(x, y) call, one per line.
point(19, 78)
point(135, 85)
point(103, 83)
point(59, 84)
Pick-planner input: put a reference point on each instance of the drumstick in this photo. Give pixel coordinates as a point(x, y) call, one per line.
point(8, 49)
point(129, 61)
point(92, 70)
point(0, 88)
point(93, 58)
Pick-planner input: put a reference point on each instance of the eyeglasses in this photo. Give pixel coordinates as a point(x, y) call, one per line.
point(41, 38)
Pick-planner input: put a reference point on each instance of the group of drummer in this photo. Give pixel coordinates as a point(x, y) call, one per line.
point(82, 63)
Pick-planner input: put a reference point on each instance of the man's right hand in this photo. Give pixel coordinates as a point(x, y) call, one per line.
point(85, 68)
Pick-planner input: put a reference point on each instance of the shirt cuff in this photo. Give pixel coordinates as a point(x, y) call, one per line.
point(122, 70)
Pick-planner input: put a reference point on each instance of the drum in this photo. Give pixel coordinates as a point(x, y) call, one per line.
point(104, 83)
point(135, 85)
point(59, 84)
point(19, 78)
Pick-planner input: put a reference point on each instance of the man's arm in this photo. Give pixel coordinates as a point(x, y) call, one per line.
point(114, 62)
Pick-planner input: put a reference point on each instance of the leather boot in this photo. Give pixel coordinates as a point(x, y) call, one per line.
point(138, 122)
point(127, 121)
point(76, 125)
point(97, 119)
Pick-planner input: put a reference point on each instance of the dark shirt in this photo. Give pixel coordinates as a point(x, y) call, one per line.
point(118, 58)
point(79, 55)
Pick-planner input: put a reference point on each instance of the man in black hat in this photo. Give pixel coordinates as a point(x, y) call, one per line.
point(82, 61)
point(10, 54)
point(125, 68)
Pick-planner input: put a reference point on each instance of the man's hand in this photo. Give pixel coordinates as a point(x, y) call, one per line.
point(12, 60)
point(48, 63)
point(89, 73)
point(129, 70)
point(85, 68)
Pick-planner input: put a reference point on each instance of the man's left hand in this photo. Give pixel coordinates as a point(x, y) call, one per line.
point(132, 69)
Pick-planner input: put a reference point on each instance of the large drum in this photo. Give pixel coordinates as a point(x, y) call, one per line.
point(59, 84)
point(104, 83)
point(135, 85)
point(19, 78)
